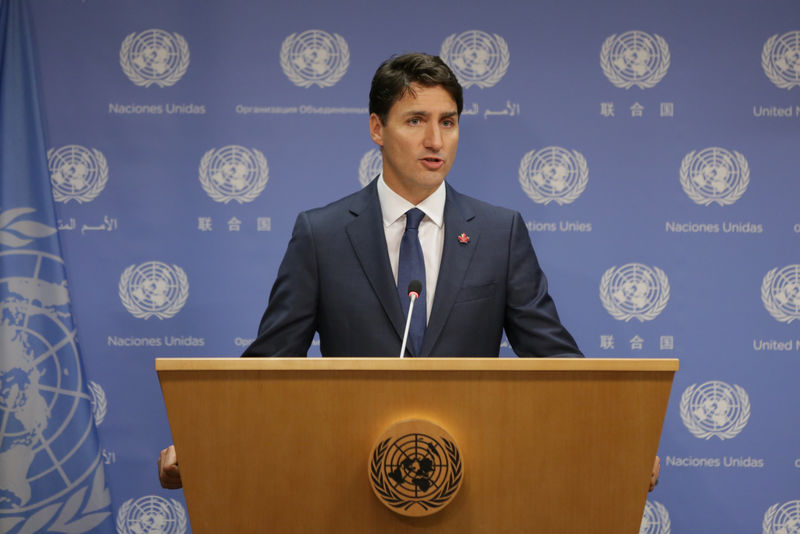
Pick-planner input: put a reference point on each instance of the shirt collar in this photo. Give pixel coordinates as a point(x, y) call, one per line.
point(393, 206)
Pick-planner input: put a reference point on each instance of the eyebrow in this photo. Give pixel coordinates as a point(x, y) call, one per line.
point(446, 115)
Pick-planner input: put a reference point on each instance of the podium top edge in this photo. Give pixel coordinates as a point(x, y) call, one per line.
point(417, 364)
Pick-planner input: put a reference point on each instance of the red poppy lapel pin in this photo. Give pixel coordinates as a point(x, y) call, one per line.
point(463, 239)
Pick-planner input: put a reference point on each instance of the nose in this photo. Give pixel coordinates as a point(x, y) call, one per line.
point(433, 137)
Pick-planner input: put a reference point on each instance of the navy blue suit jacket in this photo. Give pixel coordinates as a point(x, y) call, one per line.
point(336, 279)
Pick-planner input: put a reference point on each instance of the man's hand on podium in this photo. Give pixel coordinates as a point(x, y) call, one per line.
point(654, 475)
point(168, 472)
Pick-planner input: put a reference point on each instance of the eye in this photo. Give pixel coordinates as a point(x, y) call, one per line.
point(413, 121)
point(449, 123)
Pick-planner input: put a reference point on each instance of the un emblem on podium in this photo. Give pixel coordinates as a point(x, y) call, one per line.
point(415, 468)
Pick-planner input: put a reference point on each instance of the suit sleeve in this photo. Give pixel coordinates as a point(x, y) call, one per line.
point(290, 320)
point(531, 320)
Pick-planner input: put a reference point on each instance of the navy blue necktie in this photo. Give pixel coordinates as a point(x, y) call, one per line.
point(411, 266)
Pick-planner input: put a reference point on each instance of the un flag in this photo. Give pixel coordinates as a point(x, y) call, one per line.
point(51, 473)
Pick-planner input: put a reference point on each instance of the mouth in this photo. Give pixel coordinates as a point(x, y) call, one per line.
point(432, 163)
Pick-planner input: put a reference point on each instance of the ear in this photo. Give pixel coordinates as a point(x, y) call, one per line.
point(376, 129)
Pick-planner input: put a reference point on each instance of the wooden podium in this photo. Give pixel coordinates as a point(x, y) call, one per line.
point(548, 445)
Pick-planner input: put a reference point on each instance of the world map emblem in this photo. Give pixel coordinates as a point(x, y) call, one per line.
point(153, 289)
point(314, 57)
point(715, 408)
point(553, 174)
point(635, 58)
point(780, 59)
point(782, 518)
point(476, 57)
point(51, 471)
point(77, 173)
point(634, 290)
point(371, 165)
point(233, 173)
point(151, 514)
point(655, 519)
point(780, 293)
point(714, 175)
point(415, 468)
point(154, 57)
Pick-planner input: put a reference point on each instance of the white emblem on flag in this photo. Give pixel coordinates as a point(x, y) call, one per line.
point(371, 166)
point(714, 175)
point(780, 59)
point(655, 519)
point(715, 408)
point(476, 57)
point(315, 57)
point(233, 173)
point(151, 514)
point(782, 518)
point(154, 57)
point(635, 58)
point(77, 173)
point(42, 390)
point(553, 174)
point(153, 289)
point(780, 293)
point(634, 291)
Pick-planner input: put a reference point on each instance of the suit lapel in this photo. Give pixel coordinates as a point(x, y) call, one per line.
point(459, 219)
point(369, 243)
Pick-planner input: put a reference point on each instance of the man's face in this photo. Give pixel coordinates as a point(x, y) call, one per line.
point(419, 141)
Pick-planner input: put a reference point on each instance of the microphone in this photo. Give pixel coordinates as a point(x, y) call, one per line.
point(414, 289)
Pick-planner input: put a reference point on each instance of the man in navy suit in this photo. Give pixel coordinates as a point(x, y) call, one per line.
point(339, 275)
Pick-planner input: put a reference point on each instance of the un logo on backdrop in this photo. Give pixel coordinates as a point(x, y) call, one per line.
point(154, 57)
point(782, 518)
point(780, 292)
point(476, 57)
point(655, 519)
point(780, 59)
point(371, 166)
point(151, 514)
point(715, 408)
point(635, 58)
point(153, 289)
point(77, 173)
point(97, 398)
point(315, 57)
point(714, 175)
point(553, 174)
point(634, 291)
point(233, 173)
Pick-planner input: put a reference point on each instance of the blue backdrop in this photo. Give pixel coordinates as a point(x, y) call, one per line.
point(652, 147)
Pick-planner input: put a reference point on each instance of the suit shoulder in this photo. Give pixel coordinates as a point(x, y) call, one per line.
point(485, 209)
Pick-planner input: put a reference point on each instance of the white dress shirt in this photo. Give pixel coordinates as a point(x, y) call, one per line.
point(431, 231)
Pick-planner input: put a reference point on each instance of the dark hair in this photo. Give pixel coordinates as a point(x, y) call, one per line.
point(393, 79)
